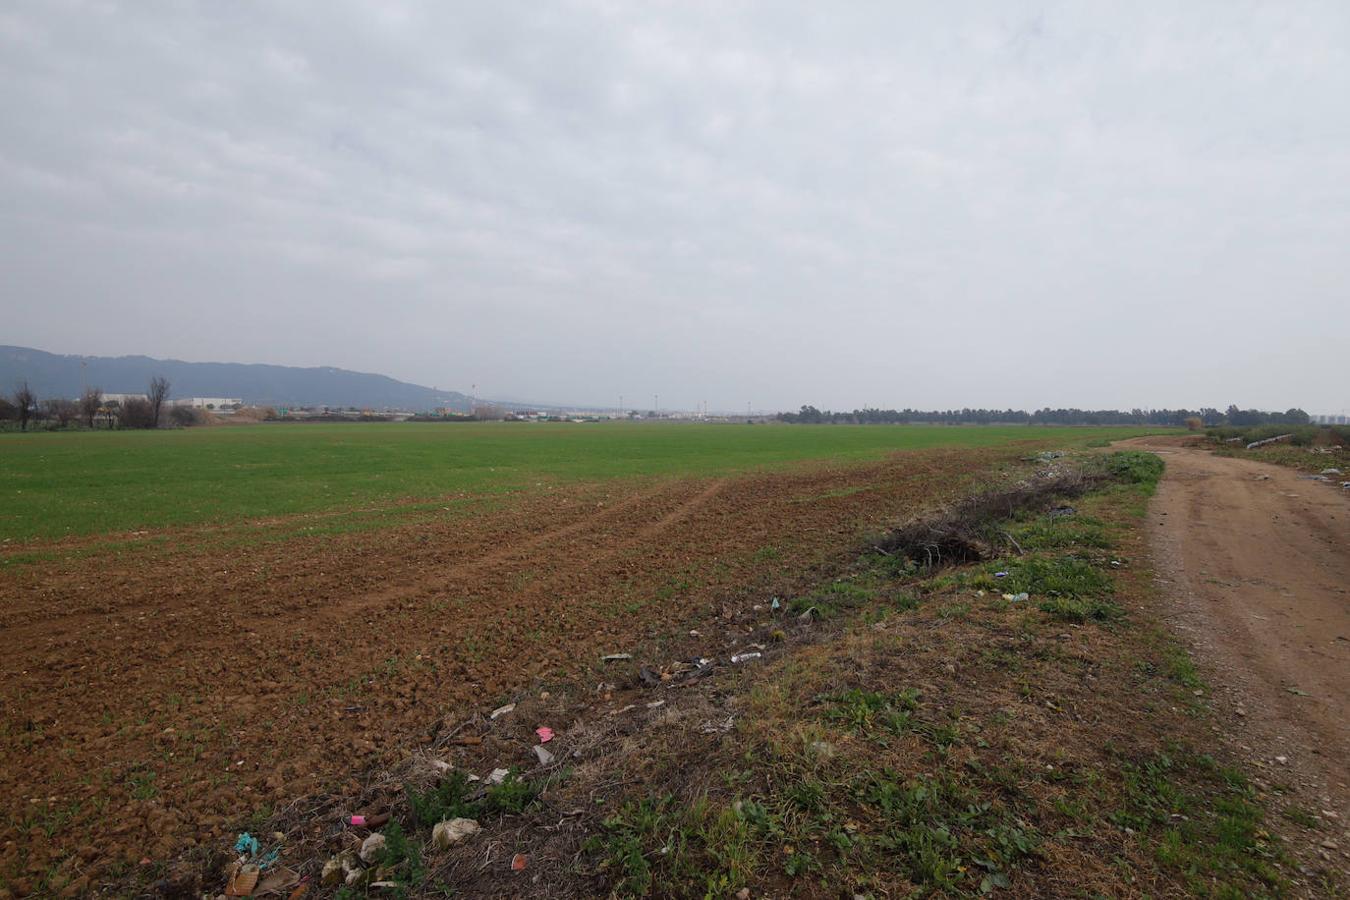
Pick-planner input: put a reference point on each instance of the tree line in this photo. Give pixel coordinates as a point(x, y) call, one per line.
point(92, 410)
point(1207, 417)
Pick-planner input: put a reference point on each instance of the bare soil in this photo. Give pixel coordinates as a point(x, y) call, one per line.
point(163, 696)
point(1256, 561)
point(1059, 726)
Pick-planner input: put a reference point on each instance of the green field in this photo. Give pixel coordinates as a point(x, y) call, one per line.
point(71, 483)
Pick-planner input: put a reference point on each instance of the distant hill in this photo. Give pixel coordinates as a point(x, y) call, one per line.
point(54, 375)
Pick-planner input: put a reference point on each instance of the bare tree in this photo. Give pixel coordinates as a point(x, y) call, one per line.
point(60, 410)
point(136, 412)
point(488, 412)
point(185, 416)
point(158, 393)
point(90, 401)
point(24, 401)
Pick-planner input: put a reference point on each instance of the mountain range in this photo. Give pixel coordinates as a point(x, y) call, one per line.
point(57, 375)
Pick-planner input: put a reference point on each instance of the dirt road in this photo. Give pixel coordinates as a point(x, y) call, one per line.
point(1257, 560)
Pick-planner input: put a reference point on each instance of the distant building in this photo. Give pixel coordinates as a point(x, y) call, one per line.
point(215, 404)
point(1331, 420)
point(122, 398)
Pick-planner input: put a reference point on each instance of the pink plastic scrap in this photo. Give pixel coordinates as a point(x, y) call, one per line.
point(545, 734)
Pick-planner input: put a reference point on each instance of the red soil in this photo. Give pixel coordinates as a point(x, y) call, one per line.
point(162, 696)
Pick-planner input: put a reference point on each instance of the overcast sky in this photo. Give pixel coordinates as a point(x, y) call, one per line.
point(926, 204)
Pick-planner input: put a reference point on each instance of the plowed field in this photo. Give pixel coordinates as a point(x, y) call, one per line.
point(163, 693)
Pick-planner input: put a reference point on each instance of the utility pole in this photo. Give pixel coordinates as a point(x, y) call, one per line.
point(656, 405)
point(621, 406)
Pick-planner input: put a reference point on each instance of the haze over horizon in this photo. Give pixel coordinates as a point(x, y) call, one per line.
point(1012, 205)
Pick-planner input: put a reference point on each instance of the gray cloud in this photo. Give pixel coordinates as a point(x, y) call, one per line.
point(971, 204)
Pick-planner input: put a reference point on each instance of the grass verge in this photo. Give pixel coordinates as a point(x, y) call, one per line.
point(950, 738)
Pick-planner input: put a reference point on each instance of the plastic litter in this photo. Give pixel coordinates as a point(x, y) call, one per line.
point(688, 669)
point(246, 843)
point(497, 776)
point(545, 734)
point(371, 848)
point(332, 871)
point(1272, 440)
point(368, 821)
point(519, 862)
point(242, 882)
point(717, 726)
point(616, 657)
point(341, 868)
point(775, 605)
point(1000, 574)
point(545, 757)
point(278, 880)
point(742, 657)
point(450, 832)
point(502, 710)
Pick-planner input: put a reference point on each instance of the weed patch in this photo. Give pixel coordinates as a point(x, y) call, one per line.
point(1061, 532)
point(866, 712)
point(1204, 817)
point(455, 797)
point(835, 598)
point(1055, 576)
point(1080, 610)
point(1134, 467)
point(694, 849)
